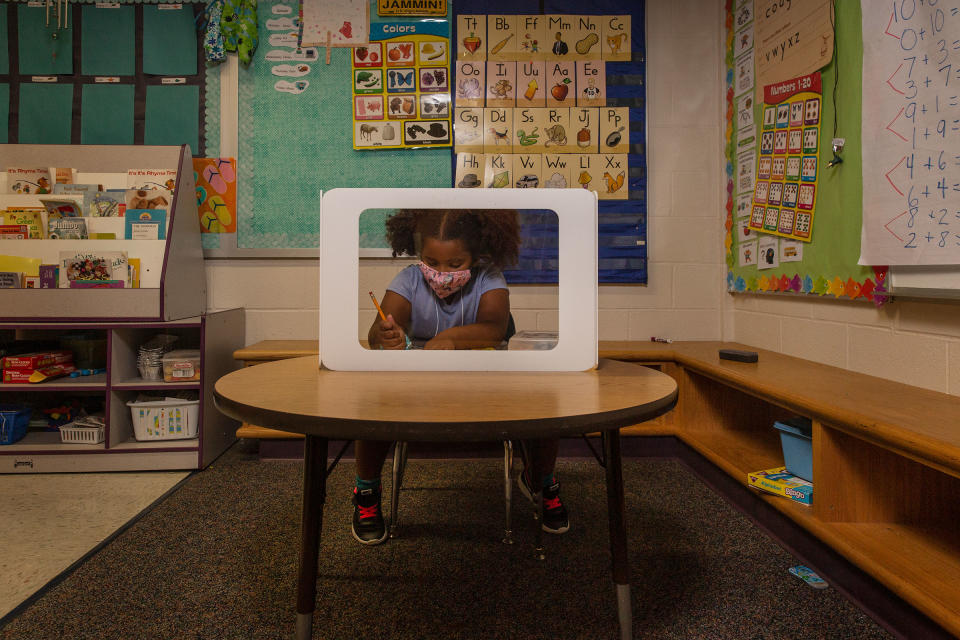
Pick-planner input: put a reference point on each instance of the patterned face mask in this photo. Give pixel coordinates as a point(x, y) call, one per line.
point(444, 283)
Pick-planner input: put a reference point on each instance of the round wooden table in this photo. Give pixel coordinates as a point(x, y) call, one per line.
point(296, 395)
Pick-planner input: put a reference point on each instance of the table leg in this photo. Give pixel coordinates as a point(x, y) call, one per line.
point(508, 490)
point(618, 532)
point(314, 494)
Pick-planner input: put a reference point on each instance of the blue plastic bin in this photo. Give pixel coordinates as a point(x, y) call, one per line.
point(797, 443)
point(13, 422)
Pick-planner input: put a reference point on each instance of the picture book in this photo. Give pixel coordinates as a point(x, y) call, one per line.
point(97, 284)
point(77, 188)
point(152, 179)
point(107, 204)
point(133, 267)
point(67, 229)
point(85, 191)
point(147, 199)
point(49, 276)
point(85, 266)
point(25, 180)
point(65, 175)
point(64, 206)
point(31, 282)
point(30, 217)
point(145, 224)
point(782, 483)
point(11, 280)
point(14, 232)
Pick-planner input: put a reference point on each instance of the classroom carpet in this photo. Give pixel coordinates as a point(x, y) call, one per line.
point(51, 520)
point(218, 559)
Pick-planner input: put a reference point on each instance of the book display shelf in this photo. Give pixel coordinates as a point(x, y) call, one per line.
point(171, 299)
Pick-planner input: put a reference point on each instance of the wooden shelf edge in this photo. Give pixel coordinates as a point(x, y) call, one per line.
point(265, 433)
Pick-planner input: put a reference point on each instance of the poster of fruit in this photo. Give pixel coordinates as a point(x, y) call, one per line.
point(335, 23)
point(401, 86)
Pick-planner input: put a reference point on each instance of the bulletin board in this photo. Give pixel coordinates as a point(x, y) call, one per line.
point(123, 73)
point(287, 155)
point(296, 143)
point(827, 264)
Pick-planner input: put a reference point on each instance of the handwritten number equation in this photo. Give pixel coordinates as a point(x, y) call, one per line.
point(928, 79)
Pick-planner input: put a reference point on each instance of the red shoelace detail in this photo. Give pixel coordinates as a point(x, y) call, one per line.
point(551, 503)
point(368, 512)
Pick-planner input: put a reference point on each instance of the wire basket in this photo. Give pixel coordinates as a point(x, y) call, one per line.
point(81, 434)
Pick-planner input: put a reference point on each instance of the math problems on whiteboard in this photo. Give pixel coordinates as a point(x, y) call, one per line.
point(911, 132)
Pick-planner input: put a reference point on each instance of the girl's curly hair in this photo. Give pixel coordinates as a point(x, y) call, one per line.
point(492, 236)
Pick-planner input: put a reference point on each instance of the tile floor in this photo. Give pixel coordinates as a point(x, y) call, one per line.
point(49, 521)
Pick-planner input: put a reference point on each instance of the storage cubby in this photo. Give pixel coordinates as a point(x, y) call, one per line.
point(886, 457)
point(731, 428)
point(171, 299)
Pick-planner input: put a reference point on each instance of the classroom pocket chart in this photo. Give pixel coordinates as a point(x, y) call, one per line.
point(787, 167)
point(911, 133)
point(401, 87)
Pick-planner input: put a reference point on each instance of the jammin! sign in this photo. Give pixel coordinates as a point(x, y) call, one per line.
point(412, 7)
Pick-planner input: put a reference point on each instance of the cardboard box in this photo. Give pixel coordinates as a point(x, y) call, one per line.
point(778, 481)
point(37, 360)
point(23, 376)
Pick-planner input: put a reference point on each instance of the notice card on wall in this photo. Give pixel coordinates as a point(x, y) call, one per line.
point(785, 192)
point(911, 134)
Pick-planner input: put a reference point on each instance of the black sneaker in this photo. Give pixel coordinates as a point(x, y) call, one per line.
point(368, 526)
point(555, 518)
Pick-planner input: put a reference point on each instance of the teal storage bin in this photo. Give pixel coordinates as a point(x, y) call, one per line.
point(797, 443)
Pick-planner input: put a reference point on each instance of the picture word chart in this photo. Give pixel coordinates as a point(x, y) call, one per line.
point(911, 132)
point(531, 108)
point(785, 191)
point(401, 87)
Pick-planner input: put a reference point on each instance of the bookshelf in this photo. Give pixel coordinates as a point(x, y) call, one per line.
point(171, 299)
point(172, 276)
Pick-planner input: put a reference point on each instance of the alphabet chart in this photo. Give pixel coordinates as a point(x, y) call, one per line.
point(531, 107)
point(785, 192)
point(911, 133)
point(401, 87)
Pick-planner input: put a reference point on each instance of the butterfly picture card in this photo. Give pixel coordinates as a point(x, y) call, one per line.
point(402, 80)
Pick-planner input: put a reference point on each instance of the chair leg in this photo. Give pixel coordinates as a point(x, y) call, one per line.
point(399, 464)
point(508, 490)
point(537, 507)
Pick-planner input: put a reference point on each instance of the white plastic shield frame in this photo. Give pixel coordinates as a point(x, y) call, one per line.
point(576, 211)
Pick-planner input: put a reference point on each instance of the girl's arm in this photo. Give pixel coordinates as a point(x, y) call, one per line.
point(493, 316)
point(390, 333)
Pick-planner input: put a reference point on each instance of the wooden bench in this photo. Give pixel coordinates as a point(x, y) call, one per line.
point(886, 456)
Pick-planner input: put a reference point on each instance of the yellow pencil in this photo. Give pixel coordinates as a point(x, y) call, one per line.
point(377, 305)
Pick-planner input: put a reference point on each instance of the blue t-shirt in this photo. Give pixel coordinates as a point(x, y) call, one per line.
point(429, 315)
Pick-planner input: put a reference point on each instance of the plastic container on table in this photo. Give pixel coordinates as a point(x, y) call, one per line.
point(533, 340)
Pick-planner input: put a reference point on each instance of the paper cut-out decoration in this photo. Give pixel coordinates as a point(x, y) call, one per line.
point(216, 180)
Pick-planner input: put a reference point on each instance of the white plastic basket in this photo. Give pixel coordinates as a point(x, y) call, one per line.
point(170, 419)
point(74, 434)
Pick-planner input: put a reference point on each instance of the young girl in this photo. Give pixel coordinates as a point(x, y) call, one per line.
point(454, 298)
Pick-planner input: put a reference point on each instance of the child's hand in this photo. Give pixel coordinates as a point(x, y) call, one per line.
point(440, 343)
point(391, 336)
